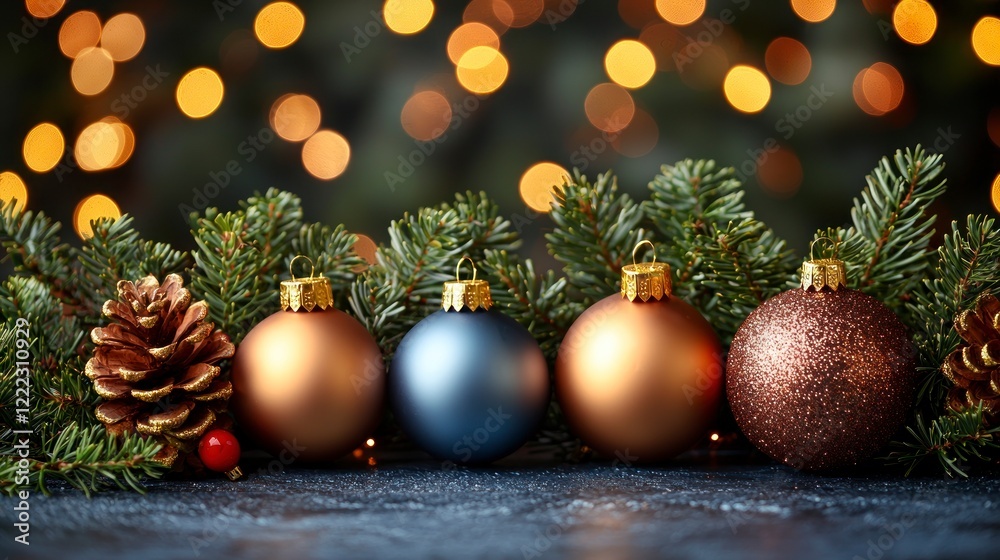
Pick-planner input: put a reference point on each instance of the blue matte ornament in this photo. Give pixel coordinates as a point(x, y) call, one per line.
point(468, 384)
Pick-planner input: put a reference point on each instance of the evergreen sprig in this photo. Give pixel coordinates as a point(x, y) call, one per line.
point(956, 439)
point(596, 228)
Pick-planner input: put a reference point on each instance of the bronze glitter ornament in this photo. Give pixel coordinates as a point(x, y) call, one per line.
point(639, 374)
point(308, 380)
point(821, 376)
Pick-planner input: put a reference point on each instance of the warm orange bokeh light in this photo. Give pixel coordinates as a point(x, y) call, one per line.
point(468, 36)
point(482, 70)
point(814, 11)
point(680, 12)
point(747, 89)
point(92, 70)
point(788, 61)
point(99, 146)
point(199, 92)
point(986, 40)
point(326, 154)
point(11, 188)
point(609, 107)
point(365, 248)
point(539, 184)
point(639, 137)
point(123, 36)
point(780, 173)
point(630, 63)
point(497, 14)
point(914, 21)
point(43, 147)
point(279, 24)
point(882, 88)
point(295, 117)
point(44, 8)
point(407, 17)
point(79, 31)
point(995, 193)
point(125, 138)
point(426, 115)
point(525, 12)
point(93, 208)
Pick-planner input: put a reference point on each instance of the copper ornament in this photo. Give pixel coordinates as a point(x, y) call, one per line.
point(639, 374)
point(821, 376)
point(308, 385)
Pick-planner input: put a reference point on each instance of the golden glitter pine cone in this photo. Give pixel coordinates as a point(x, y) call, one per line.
point(974, 368)
point(155, 365)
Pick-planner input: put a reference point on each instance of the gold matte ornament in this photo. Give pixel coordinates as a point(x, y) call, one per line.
point(645, 281)
point(824, 273)
point(306, 293)
point(472, 294)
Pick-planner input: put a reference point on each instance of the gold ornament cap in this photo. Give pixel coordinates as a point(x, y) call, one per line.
point(306, 293)
point(472, 294)
point(824, 273)
point(646, 280)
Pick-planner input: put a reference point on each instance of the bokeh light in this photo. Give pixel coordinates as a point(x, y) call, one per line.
point(79, 31)
point(609, 107)
point(482, 70)
point(788, 61)
point(779, 172)
point(814, 11)
point(993, 125)
point(279, 24)
point(747, 89)
point(295, 117)
point(98, 146)
point(123, 36)
point(680, 12)
point(525, 12)
point(326, 154)
point(92, 71)
point(125, 138)
point(630, 63)
point(426, 115)
point(365, 248)
point(94, 207)
point(986, 40)
point(407, 17)
point(994, 192)
point(638, 13)
point(44, 8)
point(639, 137)
point(11, 188)
point(497, 14)
point(199, 92)
point(43, 147)
point(914, 21)
point(663, 40)
point(880, 88)
point(468, 36)
point(539, 183)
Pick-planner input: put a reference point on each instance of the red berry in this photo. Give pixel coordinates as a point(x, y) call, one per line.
point(219, 450)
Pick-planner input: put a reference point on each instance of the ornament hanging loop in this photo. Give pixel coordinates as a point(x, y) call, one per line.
point(458, 268)
point(819, 274)
point(640, 244)
point(312, 266)
point(836, 246)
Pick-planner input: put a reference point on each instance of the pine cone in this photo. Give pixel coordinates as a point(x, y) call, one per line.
point(155, 366)
point(975, 367)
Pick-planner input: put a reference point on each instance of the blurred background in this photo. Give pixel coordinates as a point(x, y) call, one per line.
point(368, 109)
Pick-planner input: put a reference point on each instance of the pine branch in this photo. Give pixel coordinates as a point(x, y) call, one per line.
point(886, 248)
point(33, 245)
point(87, 459)
point(955, 439)
point(596, 229)
point(331, 249)
point(404, 286)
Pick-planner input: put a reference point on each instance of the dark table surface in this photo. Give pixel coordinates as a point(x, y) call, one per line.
point(592, 510)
